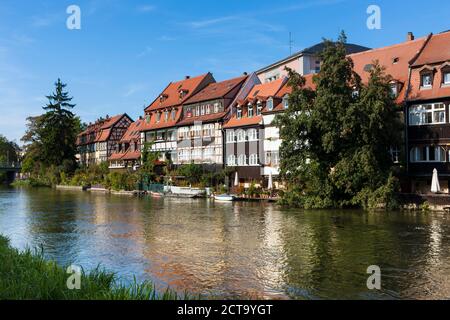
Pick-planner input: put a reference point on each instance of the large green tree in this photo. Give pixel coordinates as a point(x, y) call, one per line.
point(50, 138)
point(336, 140)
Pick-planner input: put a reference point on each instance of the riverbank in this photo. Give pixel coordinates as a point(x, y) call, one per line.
point(27, 275)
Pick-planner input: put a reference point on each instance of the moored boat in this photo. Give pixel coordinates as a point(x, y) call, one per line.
point(224, 197)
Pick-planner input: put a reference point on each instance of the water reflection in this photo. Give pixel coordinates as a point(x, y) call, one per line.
point(235, 250)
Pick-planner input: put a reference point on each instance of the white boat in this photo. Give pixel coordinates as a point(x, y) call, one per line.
point(224, 197)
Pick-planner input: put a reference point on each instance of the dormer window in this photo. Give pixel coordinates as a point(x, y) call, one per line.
point(258, 108)
point(158, 117)
point(166, 116)
point(270, 104)
point(426, 80)
point(446, 76)
point(239, 113)
point(183, 93)
point(394, 89)
point(250, 110)
point(174, 114)
point(286, 101)
point(163, 97)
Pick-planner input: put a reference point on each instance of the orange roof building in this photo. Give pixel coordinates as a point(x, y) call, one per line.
point(163, 114)
point(127, 153)
point(97, 142)
point(200, 137)
point(427, 115)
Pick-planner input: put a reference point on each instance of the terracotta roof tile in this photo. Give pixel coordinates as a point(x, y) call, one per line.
point(216, 90)
point(133, 131)
point(171, 94)
point(437, 50)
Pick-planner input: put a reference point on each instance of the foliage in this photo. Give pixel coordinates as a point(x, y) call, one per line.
point(191, 172)
point(336, 139)
point(121, 181)
point(27, 275)
point(50, 139)
point(149, 160)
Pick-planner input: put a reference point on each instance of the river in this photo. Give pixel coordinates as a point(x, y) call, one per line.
point(234, 250)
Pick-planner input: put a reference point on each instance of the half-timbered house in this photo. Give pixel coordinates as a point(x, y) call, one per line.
point(99, 140)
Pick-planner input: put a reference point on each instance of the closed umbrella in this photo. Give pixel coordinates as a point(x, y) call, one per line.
point(236, 180)
point(435, 187)
point(270, 184)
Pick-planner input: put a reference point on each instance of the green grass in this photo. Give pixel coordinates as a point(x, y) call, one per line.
point(27, 275)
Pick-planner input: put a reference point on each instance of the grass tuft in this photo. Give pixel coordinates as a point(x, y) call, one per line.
point(27, 275)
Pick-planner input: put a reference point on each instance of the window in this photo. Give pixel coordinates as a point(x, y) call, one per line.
point(161, 135)
point(286, 101)
point(216, 107)
point(174, 114)
point(258, 108)
point(197, 154)
point(395, 154)
point(183, 155)
point(272, 158)
point(254, 160)
point(208, 130)
point(270, 104)
point(183, 133)
point(166, 116)
point(427, 154)
point(446, 77)
point(394, 90)
point(208, 154)
point(250, 111)
point(197, 111)
point(189, 112)
point(158, 116)
point(427, 114)
point(208, 109)
point(241, 136)
point(253, 134)
point(426, 80)
point(231, 160)
point(230, 136)
point(202, 108)
point(239, 113)
point(242, 160)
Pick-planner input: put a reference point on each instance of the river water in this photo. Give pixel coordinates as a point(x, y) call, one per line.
point(233, 250)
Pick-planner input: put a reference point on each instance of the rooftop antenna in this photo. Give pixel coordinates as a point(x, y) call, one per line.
point(291, 42)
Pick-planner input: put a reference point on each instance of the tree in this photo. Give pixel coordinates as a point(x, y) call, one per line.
point(9, 151)
point(149, 160)
point(50, 139)
point(59, 128)
point(336, 139)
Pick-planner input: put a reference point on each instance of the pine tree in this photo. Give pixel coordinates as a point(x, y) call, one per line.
point(59, 128)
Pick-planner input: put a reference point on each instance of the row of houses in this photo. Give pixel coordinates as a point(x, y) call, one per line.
point(230, 123)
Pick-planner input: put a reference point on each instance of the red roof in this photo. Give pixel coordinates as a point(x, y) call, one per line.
point(100, 130)
point(260, 92)
point(395, 59)
point(133, 132)
point(176, 93)
point(216, 90)
point(437, 50)
point(434, 57)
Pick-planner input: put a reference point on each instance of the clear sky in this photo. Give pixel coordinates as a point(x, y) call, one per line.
point(127, 51)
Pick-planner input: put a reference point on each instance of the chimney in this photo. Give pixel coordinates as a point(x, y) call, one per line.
point(188, 77)
point(410, 36)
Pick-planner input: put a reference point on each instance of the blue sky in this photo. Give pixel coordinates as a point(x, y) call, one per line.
point(127, 51)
